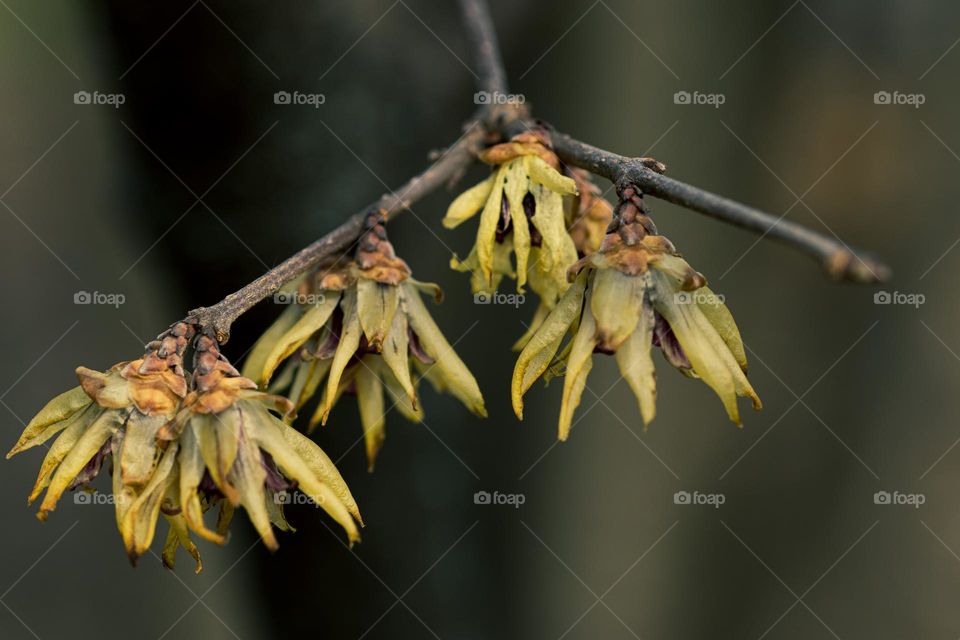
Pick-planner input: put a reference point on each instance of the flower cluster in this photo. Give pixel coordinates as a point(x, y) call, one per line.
point(361, 327)
point(180, 445)
point(635, 293)
point(521, 215)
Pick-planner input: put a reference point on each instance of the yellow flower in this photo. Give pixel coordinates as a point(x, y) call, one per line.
point(360, 328)
point(634, 293)
point(522, 213)
point(180, 453)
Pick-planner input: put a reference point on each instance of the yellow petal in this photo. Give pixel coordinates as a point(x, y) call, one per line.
point(370, 401)
point(138, 454)
point(309, 376)
point(349, 341)
point(578, 366)
point(709, 355)
point(447, 365)
point(217, 438)
point(616, 300)
point(468, 203)
point(542, 346)
point(254, 363)
point(549, 177)
point(248, 475)
point(300, 459)
point(376, 306)
point(62, 446)
point(86, 446)
point(52, 419)
point(312, 320)
point(514, 190)
point(557, 250)
point(636, 366)
point(179, 536)
point(486, 230)
point(140, 520)
point(539, 315)
point(396, 355)
point(411, 409)
point(191, 475)
point(722, 320)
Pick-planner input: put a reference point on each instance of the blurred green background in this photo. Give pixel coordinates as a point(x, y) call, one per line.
point(859, 397)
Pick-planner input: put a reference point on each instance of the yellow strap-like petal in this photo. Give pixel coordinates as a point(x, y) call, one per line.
point(370, 401)
point(255, 363)
point(349, 341)
point(312, 320)
point(542, 346)
point(578, 367)
point(468, 203)
point(636, 365)
point(549, 177)
point(52, 419)
point(85, 447)
point(447, 365)
point(376, 306)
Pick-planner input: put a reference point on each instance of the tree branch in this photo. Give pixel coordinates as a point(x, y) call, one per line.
point(838, 259)
point(483, 41)
point(451, 164)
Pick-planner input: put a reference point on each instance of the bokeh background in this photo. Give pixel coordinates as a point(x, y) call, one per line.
point(199, 182)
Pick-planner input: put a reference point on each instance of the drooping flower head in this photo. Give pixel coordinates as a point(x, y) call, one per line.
point(362, 328)
point(179, 449)
point(522, 215)
point(634, 293)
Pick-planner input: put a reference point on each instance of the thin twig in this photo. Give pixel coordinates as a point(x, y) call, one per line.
point(483, 41)
point(450, 165)
point(838, 259)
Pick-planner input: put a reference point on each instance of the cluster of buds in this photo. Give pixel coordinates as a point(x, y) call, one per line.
point(361, 328)
point(180, 445)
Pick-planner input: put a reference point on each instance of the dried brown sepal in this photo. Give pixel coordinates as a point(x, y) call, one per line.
point(530, 143)
point(375, 257)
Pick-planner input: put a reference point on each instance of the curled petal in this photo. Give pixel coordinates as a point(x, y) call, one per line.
point(579, 364)
point(543, 345)
point(56, 416)
point(86, 446)
point(468, 203)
